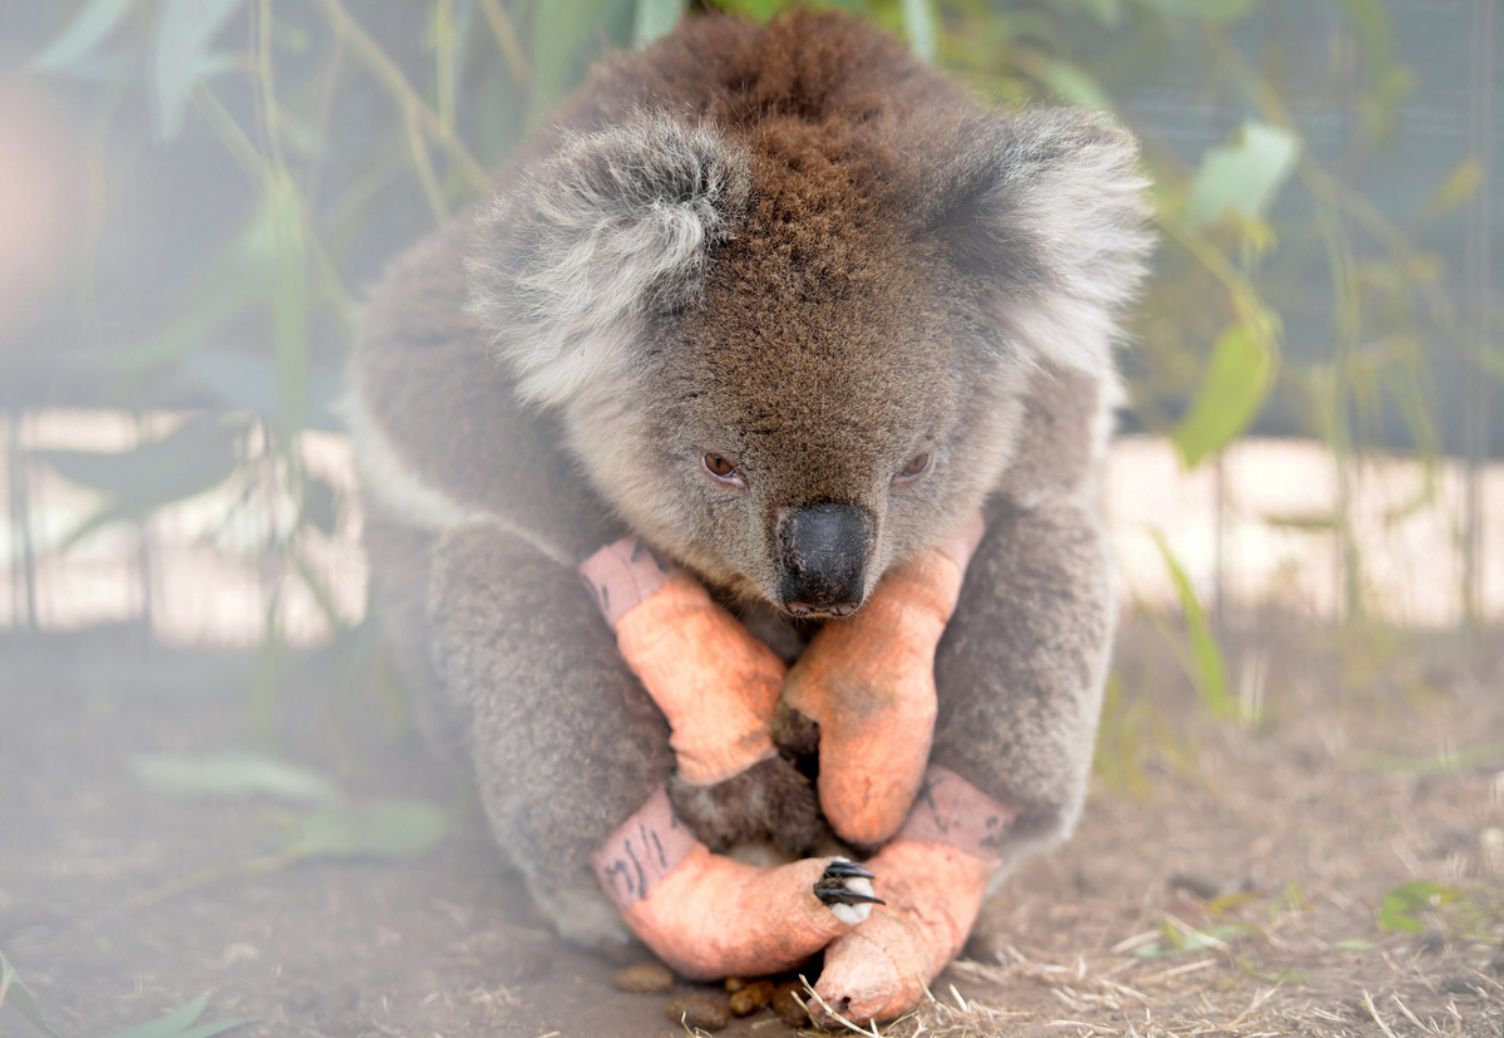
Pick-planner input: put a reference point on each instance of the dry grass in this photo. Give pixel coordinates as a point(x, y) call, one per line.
point(1228, 878)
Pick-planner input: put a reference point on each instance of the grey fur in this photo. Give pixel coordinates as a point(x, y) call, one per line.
point(1051, 204)
point(618, 223)
point(817, 289)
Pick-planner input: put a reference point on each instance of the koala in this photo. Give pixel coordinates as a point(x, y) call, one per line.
point(787, 305)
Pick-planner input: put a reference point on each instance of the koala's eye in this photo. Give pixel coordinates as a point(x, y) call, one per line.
point(918, 465)
point(723, 469)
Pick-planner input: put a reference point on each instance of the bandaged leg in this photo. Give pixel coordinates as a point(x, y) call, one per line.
point(870, 684)
point(708, 916)
point(933, 878)
point(716, 684)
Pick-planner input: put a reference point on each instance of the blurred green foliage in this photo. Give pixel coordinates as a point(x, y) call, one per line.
point(182, 1022)
point(1256, 227)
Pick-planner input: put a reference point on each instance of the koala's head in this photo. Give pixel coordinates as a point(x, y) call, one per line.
point(791, 357)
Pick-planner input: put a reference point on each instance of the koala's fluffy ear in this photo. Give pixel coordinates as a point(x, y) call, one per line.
point(1050, 205)
point(612, 227)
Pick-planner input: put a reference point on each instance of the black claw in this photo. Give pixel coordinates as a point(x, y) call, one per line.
point(844, 868)
point(831, 887)
point(842, 896)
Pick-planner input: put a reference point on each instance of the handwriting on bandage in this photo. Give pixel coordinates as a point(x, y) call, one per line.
point(638, 855)
point(641, 551)
point(948, 809)
point(623, 574)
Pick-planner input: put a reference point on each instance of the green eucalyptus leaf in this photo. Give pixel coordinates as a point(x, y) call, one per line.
point(1108, 12)
point(245, 380)
point(290, 304)
point(1209, 10)
point(922, 27)
point(381, 829)
point(182, 56)
point(654, 18)
point(196, 324)
point(77, 44)
point(194, 457)
point(207, 1030)
point(204, 1030)
point(1374, 36)
point(1215, 937)
point(1237, 379)
point(1243, 176)
point(1074, 85)
point(181, 1023)
point(756, 10)
point(1209, 673)
point(565, 35)
point(170, 1024)
point(1459, 186)
point(15, 993)
point(233, 775)
point(1400, 908)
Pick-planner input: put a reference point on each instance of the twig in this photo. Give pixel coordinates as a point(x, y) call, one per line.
point(1373, 1012)
point(386, 70)
point(1395, 998)
point(424, 166)
point(1176, 971)
point(506, 39)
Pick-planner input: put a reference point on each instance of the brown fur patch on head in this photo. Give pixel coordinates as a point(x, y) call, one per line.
point(879, 266)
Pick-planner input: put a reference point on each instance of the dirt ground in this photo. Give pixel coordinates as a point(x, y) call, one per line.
point(1228, 878)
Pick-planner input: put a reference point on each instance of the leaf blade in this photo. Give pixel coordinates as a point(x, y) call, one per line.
point(233, 774)
point(395, 828)
point(1242, 176)
point(653, 19)
point(1209, 673)
point(14, 992)
point(82, 36)
point(182, 56)
point(1237, 380)
point(922, 28)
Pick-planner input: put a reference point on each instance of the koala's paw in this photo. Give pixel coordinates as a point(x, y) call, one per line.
point(846, 889)
point(770, 800)
point(795, 733)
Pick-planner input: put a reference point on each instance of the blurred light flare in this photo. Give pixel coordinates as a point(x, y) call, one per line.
point(41, 202)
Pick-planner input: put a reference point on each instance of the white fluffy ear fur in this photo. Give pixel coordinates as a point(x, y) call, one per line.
point(1051, 205)
point(612, 227)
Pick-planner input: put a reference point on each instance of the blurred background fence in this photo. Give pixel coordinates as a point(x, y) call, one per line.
point(193, 193)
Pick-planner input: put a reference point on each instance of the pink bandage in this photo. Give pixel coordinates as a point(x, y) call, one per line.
point(933, 876)
point(705, 915)
point(622, 574)
point(869, 682)
point(717, 685)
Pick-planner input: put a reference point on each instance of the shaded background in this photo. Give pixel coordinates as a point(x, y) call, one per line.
point(194, 192)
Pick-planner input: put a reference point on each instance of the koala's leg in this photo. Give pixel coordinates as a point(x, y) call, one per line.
point(1019, 676)
point(933, 874)
point(718, 687)
point(869, 683)
point(564, 742)
point(710, 916)
point(1021, 667)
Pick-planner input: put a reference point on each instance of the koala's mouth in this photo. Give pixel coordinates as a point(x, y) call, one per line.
point(800, 611)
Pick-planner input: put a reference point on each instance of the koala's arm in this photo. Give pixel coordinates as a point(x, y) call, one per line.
point(1020, 669)
point(571, 756)
point(565, 743)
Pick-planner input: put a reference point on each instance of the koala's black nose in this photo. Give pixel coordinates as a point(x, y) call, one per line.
point(824, 555)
